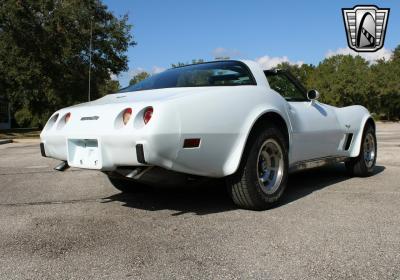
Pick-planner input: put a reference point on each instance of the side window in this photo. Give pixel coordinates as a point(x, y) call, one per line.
point(285, 87)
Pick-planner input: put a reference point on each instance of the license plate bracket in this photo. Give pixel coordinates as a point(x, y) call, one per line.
point(84, 153)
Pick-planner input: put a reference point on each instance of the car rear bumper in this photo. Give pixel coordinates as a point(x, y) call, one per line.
point(111, 151)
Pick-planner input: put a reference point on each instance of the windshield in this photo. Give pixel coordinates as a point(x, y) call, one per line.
point(221, 73)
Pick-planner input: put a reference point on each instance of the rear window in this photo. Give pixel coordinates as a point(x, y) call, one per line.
point(221, 73)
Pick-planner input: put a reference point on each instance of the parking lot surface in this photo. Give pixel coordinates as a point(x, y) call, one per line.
point(75, 225)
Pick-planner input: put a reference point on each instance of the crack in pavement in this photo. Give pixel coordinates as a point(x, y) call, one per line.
point(37, 172)
point(56, 202)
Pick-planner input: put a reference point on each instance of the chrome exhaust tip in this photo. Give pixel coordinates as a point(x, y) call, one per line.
point(62, 166)
point(135, 173)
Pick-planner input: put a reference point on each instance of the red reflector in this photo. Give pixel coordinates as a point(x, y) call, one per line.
point(148, 113)
point(191, 143)
point(127, 115)
point(67, 117)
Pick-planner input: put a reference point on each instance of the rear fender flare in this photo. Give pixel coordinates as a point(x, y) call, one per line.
point(233, 161)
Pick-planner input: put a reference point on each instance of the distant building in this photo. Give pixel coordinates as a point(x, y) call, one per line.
point(5, 116)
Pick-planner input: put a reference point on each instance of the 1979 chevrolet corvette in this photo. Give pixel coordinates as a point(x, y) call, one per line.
point(217, 119)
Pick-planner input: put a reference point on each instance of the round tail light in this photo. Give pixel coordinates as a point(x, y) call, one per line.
point(148, 113)
point(126, 115)
point(67, 117)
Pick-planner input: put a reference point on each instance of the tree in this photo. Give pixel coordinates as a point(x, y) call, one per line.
point(139, 77)
point(302, 72)
point(44, 53)
point(194, 61)
point(396, 54)
point(385, 76)
point(110, 86)
point(343, 80)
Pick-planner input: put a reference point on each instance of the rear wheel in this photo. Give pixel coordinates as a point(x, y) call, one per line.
point(262, 174)
point(364, 164)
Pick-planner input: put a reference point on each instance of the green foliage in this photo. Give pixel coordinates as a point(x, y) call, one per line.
point(139, 77)
point(44, 54)
point(302, 73)
point(194, 61)
point(386, 86)
point(24, 118)
point(343, 80)
point(109, 86)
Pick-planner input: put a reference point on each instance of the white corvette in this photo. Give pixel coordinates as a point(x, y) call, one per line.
point(217, 119)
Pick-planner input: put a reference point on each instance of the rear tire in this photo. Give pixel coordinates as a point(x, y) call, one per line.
point(363, 165)
point(262, 175)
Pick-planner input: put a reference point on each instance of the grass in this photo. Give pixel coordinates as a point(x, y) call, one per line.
point(18, 133)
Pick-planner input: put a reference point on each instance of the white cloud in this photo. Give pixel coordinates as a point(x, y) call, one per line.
point(135, 71)
point(223, 52)
point(157, 69)
point(154, 70)
point(267, 62)
point(372, 57)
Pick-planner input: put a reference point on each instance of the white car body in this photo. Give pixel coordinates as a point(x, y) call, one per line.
point(222, 117)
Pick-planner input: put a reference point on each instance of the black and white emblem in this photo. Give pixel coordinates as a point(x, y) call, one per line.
point(365, 27)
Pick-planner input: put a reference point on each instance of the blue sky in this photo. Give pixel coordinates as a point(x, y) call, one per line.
point(266, 31)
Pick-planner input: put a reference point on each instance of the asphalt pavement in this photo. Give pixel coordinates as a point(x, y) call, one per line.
point(75, 225)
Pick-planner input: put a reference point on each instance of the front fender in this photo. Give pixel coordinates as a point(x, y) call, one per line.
point(353, 119)
point(355, 151)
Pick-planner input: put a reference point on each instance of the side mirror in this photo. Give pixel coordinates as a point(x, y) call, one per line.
point(312, 94)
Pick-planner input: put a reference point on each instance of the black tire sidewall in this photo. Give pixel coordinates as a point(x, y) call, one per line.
point(357, 166)
point(368, 130)
point(256, 192)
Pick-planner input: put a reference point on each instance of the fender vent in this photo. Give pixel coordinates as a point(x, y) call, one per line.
point(348, 141)
point(191, 143)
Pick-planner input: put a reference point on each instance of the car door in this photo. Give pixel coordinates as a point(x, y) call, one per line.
point(315, 129)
